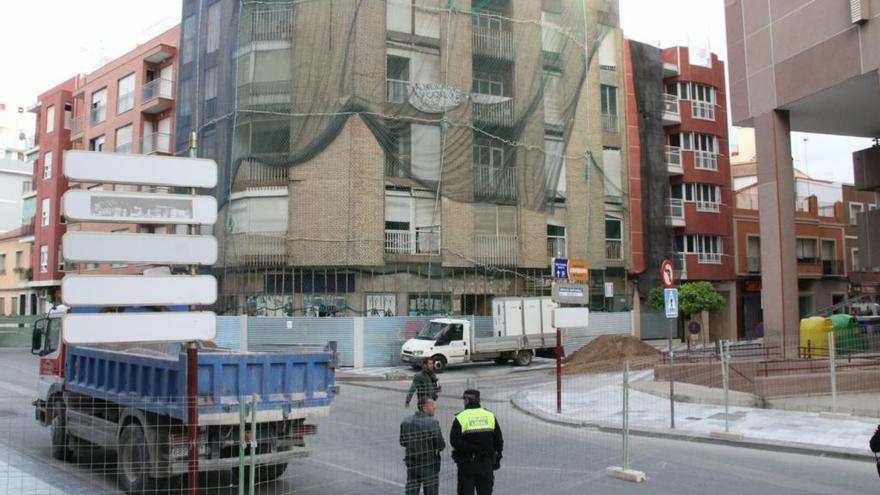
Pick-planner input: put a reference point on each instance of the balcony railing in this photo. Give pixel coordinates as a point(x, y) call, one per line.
point(702, 110)
point(705, 160)
point(832, 267)
point(124, 147)
point(269, 24)
point(708, 206)
point(673, 155)
point(267, 96)
point(675, 208)
point(496, 250)
point(425, 240)
point(556, 246)
point(500, 113)
point(98, 114)
point(671, 107)
point(158, 88)
point(613, 249)
point(494, 182)
point(753, 264)
point(158, 142)
point(77, 125)
point(396, 91)
point(256, 248)
point(28, 186)
point(255, 174)
point(494, 42)
point(709, 258)
point(609, 122)
point(807, 260)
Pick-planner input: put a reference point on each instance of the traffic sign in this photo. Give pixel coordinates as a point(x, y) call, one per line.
point(112, 168)
point(143, 208)
point(560, 268)
point(91, 328)
point(667, 274)
point(157, 249)
point(571, 317)
point(571, 293)
point(670, 302)
point(578, 271)
point(137, 290)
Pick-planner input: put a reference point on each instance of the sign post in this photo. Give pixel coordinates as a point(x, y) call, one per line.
point(670, 303)
point(565, 318)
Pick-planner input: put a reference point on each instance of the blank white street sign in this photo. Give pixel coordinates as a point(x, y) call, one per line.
point(571, 317)
point(139, 327)
point(144, 207)
point(158, 249)
point(112, 168)
point(135, 290)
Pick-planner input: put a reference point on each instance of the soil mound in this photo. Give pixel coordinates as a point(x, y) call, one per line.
point(608, 352)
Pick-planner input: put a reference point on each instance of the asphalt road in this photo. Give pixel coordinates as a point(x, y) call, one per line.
point(356, 450)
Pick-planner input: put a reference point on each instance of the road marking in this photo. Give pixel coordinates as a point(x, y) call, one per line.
point(355, 471)
point(15, 389)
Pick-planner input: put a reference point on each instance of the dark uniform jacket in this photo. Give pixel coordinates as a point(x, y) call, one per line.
point(477, 441)
point(424, 384)
point(420, 435)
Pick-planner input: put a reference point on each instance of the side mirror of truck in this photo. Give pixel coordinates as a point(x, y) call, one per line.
point(37, 338)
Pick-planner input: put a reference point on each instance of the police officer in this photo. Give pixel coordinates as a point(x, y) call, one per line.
point(424, 383)
point(420, 436)
point(477, 444)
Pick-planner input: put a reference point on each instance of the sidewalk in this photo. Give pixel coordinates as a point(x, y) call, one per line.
point(596, 401)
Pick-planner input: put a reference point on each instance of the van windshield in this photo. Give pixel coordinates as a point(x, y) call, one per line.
point(432, 331)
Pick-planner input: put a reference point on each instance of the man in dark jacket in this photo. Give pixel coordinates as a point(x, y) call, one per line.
point(420, 436)
point(477, 444)
point(424, 383)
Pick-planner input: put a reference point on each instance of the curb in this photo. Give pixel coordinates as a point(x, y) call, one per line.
point(368, 384)
point(521, 403)
point(370, 378)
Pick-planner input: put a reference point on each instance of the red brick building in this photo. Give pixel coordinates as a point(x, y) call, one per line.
point(864, 281)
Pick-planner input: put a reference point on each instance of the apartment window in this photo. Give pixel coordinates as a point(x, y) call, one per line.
point(556, 241)
point(419, 17)
point(47, 165)
point(96, 144)
point(125, 94)
point(2, 263)
point(123, 139)
point(609, 108)
point(554, 166)
point(397, 160)
point(492, 220)
point(488, 83)
point(707, 247)
point(211, 83)
point(553, 99)
point(425, 152)
point(806, 251)
point(551, 33)
point(50, 119)
point(397, 78)
point(702, 102)
point(412, 224)
point(613, 238)
point(44, 259)
point(854, 210)
point(45, 212)
point(495, 176)
point(18, 258)
point(854, 256)
point(612, 175)
point(68, 116)
point(188, 50)
point(98, 108)
point(705, 151)
point(707, 196)
point(91, 266)
point(60, 260)
point(608, 52)
point(213, 37)
point(753, 254)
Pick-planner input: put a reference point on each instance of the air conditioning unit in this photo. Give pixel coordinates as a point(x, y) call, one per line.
point(859, 11)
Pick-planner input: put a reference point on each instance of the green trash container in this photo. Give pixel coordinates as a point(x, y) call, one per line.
point(846, 333)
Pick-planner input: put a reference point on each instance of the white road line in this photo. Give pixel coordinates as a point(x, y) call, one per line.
point(354, 471)
point(15, 389)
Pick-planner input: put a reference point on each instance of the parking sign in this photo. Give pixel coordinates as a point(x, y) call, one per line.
point(560, 268)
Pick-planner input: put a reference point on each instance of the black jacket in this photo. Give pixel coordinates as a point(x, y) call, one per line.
point(476, 447)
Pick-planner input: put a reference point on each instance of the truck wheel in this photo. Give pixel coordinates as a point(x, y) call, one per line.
point(523, 358)
point(134, 460)
point(500, 360)
point(439, 363)
point(270, 472)
point(60, 442)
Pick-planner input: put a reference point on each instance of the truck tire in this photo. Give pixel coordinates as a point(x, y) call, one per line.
point(134, 460)
point(523, 358)
point(60, 441)
point(500, 360)
point(439, 363)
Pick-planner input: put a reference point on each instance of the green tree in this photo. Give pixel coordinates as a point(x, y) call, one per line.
point(693, 298)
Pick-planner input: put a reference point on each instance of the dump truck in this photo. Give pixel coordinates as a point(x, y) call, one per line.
point(521, 329)
point(131, 399)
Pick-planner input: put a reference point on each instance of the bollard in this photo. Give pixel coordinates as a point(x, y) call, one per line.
point(254, 443)
point(832, 367)
point(625, 415)
point(725, 377)
point(241, 444)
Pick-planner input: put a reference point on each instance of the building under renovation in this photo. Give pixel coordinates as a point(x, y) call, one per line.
point(408, 156)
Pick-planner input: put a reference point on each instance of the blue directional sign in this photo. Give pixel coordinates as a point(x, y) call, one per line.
point(670, 302)
point(560, 268)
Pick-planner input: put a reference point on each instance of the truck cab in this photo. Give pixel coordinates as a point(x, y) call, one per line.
point(444, 340)
point(47, 342)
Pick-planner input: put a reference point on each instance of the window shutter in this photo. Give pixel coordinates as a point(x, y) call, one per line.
point(397, 209)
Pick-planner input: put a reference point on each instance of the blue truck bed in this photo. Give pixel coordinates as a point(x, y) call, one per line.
point(287, 385)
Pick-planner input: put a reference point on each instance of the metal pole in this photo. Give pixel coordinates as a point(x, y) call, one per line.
point(626, 415)
point(241, 443)
point(558, 371)
point(833, 367)
point(672, 323)
point(192, 383)
point(725, 377)
point(254, 444)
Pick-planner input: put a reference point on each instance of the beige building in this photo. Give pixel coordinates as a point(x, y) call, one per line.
point(15, 267)
point(429, 160)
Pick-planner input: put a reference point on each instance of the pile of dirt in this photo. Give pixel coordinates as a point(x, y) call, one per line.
point(608, 352)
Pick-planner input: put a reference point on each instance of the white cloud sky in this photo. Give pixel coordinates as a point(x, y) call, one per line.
point(49, 41)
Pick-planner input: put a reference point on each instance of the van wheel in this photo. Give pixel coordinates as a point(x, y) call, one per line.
point(60, 441)
point(134, 461)
point(523, 358)
point(439, 363)
point(500, 360)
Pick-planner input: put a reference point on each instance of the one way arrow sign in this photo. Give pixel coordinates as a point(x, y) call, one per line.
point(670, 300)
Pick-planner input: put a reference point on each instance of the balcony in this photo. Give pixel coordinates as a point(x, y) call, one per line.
point(679, 261)
point(832, 267)
point(98, 114)
point(254, 174)
point(492, 37)
point(670, 69)
point(256, 249)
point(396, 91)
point(124, 147)
point(266, 24)
point(807, 260)
point(673, 160)
point(702, 110)
point(494, 183)
point(614, 250)
point(709, 258)
point(424, 241)
point(671, 112)
point(269, 96)
point(609, 122)
point(705, 160)
point(157, 96)
point(708, 206)
point(675, 212)
point(498, 113)
point(28, 188)
point(496, 250)
point(77, 126)
point(556, 246)
point(156, 143)
point(753, 264)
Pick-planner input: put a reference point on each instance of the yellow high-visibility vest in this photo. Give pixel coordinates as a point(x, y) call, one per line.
point(475, 420)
